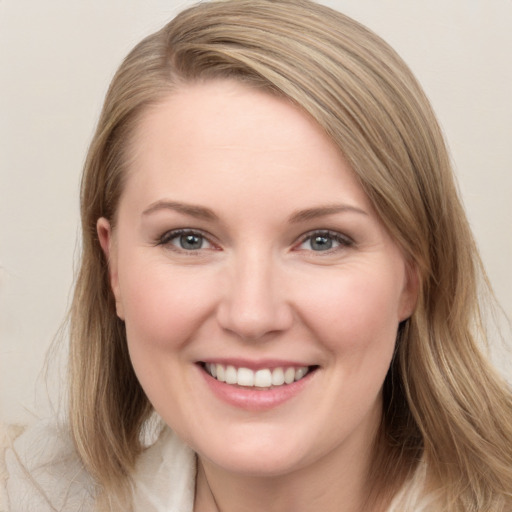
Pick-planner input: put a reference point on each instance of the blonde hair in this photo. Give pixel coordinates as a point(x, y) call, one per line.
point(443, 403)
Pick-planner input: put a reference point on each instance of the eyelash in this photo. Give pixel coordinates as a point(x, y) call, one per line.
point(167, 238)
point(343, 240)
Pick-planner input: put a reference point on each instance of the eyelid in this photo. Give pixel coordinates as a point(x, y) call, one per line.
point(166, 238)
point(342, 239)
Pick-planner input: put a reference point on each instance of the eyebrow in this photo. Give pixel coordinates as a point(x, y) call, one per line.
point(201, 212)
point(193, 210)
point(322, 211)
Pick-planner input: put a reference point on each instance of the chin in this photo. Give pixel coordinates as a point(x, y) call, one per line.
point(258, 459)
point(257, 465)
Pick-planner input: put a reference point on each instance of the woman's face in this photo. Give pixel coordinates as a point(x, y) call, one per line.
point(245, 248)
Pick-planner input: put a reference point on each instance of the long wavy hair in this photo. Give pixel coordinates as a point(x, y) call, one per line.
point(444, 405)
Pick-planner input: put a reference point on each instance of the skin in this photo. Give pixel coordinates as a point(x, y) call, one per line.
point(257, 289)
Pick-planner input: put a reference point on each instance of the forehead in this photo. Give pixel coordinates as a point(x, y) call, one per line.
point(208, 140)
point(222, 111)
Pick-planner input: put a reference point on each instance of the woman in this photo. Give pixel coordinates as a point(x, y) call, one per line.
point(276, 261)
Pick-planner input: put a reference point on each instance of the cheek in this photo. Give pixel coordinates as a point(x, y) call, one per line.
point(355, 309)
point(164, 310)
point(163, 305)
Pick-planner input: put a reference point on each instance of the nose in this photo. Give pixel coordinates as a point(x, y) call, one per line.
point(254, 303)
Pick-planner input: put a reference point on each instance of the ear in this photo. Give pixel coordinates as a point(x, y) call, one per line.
point(109, 247)
point(410, 291)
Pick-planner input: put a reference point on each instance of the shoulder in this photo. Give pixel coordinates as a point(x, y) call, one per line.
point(413, 497)
point(44, 473)
point(165, 476)
point(7, 435)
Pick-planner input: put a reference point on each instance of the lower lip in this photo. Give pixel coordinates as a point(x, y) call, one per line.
point(252, 398)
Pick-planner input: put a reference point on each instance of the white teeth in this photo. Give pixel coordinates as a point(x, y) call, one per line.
point(289, 375)
point(278, 377)
point(231, 375)
point(263, 378)
point(300, 372)
point(220, 373)
point(245, 377)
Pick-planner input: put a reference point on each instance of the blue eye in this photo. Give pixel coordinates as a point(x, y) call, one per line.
point(324, 241)
point(190, 242)
point(186, 240)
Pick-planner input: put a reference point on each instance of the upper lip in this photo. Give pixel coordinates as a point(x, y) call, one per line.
point(254, 364)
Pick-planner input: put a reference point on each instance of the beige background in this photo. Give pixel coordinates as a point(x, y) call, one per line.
point(56, 60)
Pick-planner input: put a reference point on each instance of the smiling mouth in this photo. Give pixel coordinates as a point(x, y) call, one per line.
point(264, 378)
